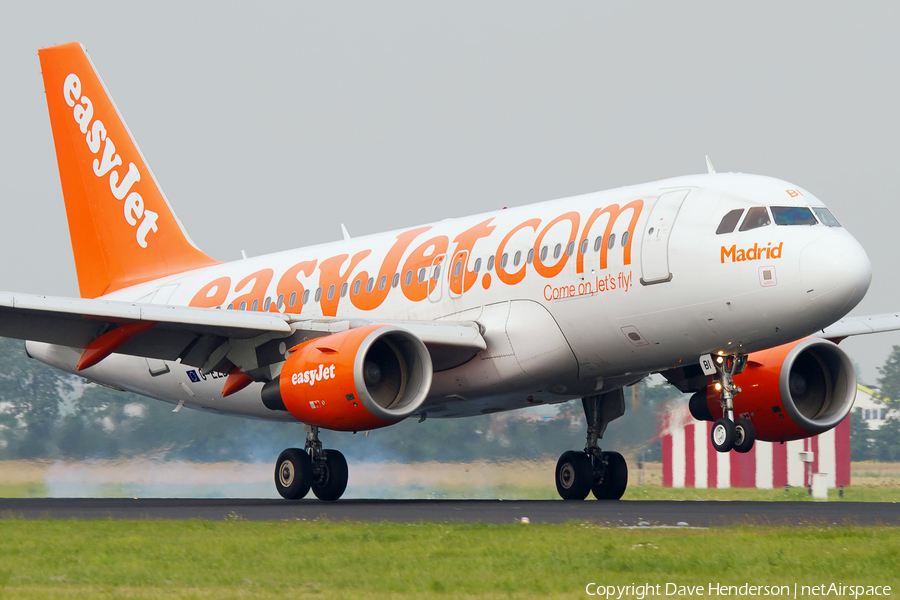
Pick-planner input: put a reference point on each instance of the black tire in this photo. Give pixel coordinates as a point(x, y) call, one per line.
point(699, 408)
point(332, 481)
point(574, 475)
point(293, 474)
point(615, 478)
point(744, 435)
point(722, 435)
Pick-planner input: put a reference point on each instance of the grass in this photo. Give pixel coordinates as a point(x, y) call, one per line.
point(31, 489)
point(238, 559)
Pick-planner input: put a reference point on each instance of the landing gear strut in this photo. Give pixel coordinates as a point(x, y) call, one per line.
point(324, 471)
point(728, 433)
point(603, 473)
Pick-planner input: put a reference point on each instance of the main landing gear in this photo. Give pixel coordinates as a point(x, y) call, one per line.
point(728, 433)
point(324, 471)
point(604, 474)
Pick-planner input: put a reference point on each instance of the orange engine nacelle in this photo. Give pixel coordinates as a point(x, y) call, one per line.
point(790, 392)
point(359, 379)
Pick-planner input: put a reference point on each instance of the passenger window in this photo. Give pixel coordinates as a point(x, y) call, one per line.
point(793, 215)
point(318, 294)
point(293, 299)
point(395, 281)
point(517, 258)
point(437, 272)
point(409, 277)
point(730, 221)
point(280, 302)
point(543, 253)
point(597, 243)
point(826, 218)
point(757, 216)
point(304, 300)
point(557, 250)
point(421, 274)
point(370, 285)
point(570, 249)
point(477, 265)
point(490, 262)
point(344, 290)
point(584, 245)
point(611, 242)
point(625, 238)
point(382, 282)
point(530, 258)
point(503, 260)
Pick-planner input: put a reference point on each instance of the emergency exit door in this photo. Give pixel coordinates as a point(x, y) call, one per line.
point(655, 241)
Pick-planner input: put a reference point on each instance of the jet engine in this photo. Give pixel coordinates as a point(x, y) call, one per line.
point(359, 379)
point(789, 392)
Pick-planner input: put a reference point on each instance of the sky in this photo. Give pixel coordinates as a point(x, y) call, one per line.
point(269, 126)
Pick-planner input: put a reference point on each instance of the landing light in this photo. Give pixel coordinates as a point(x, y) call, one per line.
point(718, 386)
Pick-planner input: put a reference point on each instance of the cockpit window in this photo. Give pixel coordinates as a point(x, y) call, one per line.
point(826, 218)
point(757, 216)
point(729, 221)
point(793, 215)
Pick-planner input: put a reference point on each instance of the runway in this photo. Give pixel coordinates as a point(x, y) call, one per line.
point(615, 514)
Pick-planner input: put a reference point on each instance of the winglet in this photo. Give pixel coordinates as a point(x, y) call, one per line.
point(709, 166)
point(123, 230)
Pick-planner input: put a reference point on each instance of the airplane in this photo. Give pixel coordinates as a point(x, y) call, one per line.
point(731, 286)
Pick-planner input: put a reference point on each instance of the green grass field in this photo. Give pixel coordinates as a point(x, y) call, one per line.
point(237, 559)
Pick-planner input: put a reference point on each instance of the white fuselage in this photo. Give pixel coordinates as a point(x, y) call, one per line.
point(658, 290)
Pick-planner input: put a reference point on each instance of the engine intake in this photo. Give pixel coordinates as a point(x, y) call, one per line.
point(360, 379)
point(817, 384)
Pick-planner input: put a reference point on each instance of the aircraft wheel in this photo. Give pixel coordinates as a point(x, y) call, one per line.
point(744, 435)
point(331, 481)
point(574, 475)
point(293, 474)
point(723, 435)
point(615, 478)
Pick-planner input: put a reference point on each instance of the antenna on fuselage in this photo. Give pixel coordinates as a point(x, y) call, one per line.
point(345, 232)
point(709, 166)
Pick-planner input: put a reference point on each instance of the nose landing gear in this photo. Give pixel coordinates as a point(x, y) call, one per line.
point(727, 433)
point(604, 474)
point(324, 471)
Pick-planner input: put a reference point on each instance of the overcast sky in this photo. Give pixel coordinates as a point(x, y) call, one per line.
point(269, 124)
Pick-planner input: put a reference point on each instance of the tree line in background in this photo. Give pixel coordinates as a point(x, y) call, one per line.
point(47, 414)
point(881, 444)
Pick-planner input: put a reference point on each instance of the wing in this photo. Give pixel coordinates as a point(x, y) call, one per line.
point(849, 326)
point(211, 339)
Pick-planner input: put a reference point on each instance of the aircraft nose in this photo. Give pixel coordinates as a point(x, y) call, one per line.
point(836, 273)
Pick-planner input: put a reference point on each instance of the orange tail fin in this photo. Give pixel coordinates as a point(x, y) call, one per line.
point(123, 230)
